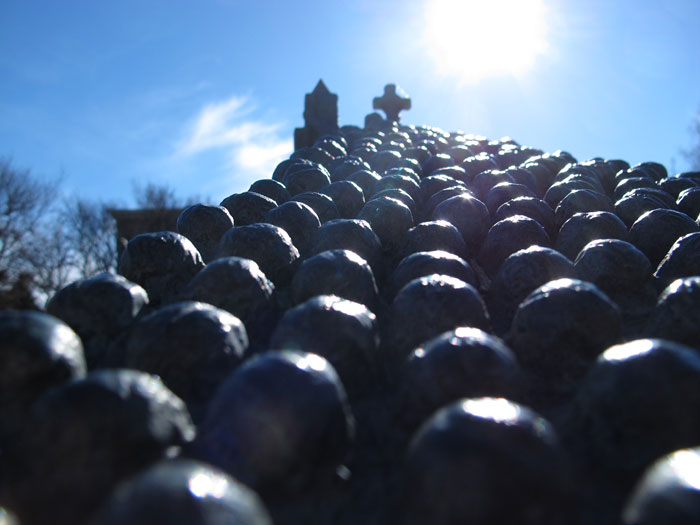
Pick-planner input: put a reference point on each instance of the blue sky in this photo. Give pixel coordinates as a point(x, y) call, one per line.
point(205, 95)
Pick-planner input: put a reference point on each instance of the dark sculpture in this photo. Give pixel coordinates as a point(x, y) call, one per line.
point(320, 116)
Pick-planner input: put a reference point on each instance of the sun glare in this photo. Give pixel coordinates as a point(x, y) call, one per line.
point(476, 39)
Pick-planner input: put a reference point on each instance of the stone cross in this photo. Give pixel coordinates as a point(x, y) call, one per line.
point(392, 102)
point(320, 116)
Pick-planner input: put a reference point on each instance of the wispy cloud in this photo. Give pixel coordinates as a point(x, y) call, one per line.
point(249, 145)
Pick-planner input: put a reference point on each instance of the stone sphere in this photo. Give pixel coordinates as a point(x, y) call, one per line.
point(162, 263)
point(422, 264)
point(434, 235)
point(667, 492)
point(248, 207)
point(504, 192)
point(321, 203)
point(350, 234)
point(474, 455)
point(442, 195)
point(552, 336)
point(347, 196)
point(183, 492)
point(429, 306)
point(478, 164)
point(271, 188)
point(580, 201)
point(469, 215)
point(520, 274)
point(311, 179)
point(655, 232)
point(365, 179)
point(675, 316)
point(682, 260)
point(633, 407)
point(266, 244)
point(637, 202)
point(621, 271)
point(204, 226)
point(399, 195)
point(102, 429)
point(508, 236)
point(342, 331)
point(298, 220)
point(689, 202)
point(397, 182)
point(234, 284)
point(191, 346)
point(485, 180)
point(335, 272)
point(632, 183)
point(465, 362)
point(675, 185)
point(389, 218)
point(37, 352)
point(532, 207)
point(583, 228)
point(101, 310)
point(279, 421)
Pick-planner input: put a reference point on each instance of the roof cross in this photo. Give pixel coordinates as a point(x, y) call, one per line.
point(392, 102)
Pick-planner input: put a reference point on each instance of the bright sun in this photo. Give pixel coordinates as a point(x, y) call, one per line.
point(475, 39)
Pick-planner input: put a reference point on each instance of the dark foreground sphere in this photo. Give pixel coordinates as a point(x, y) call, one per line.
point(520, 274)
point(183, 492)
point(266, 244)
point(486, 461)
point(508, 236)
point(677, 313)
point(86, 436)
point(434, 235)
point(634, 406)
point(465, 362)
point(429, 306)
point(191, 346)
point(583, 228)
point(682, 260)
point(204, 226)
point(655, 232)
point(37, 352)
point(234, 284)
point(280, 420)
point(343, 332)
point(161, 262)
point(100, 310)
point(335, 272)
point(668, 492)
point(557, 333)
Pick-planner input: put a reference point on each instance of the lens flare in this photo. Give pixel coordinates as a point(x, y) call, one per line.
point(476, 39)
